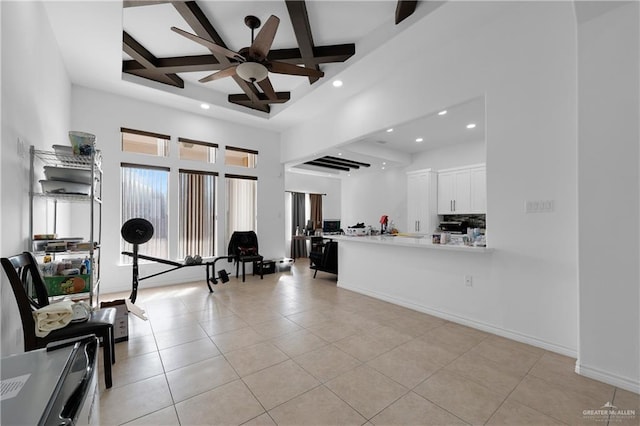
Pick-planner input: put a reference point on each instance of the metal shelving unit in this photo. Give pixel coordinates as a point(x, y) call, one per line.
point(91, 163)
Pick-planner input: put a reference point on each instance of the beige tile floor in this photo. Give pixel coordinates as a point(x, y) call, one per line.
point(293, 350)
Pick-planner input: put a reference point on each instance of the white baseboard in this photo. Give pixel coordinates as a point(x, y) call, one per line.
point(606, 377)
point(509, 334)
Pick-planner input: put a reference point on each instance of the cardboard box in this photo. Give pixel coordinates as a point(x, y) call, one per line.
point(59, 285)
point(121, 327)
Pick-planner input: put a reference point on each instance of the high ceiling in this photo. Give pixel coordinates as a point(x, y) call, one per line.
point(96, 58)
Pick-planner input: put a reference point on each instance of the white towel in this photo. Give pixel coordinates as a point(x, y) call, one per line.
point(53, 317)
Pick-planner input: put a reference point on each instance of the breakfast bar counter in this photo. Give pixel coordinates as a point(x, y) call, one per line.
point(410, 241)
point(450, 281)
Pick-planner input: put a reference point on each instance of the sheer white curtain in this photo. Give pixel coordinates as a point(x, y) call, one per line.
point(145, 194)
point(241, 205)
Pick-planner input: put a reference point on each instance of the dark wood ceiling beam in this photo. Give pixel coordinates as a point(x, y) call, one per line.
point(335, 163)
point(281, 97)
point(253, 105)
point(327, 166)
point(302, 29)
point(197, 20)
point(137, 51)
point(321, 54)
point(195, 17)
point(179, 64)
point(404, 9)
point(148, 62)
point(345, 161)
point(196, 63)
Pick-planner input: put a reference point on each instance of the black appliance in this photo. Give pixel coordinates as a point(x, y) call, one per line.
point(454, 226)
point(331, 226)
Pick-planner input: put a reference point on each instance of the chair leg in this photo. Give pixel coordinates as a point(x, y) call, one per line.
point(314, 274)
point(106, 354)
point(112, 339)
point(237, 268)
point(262, 269)
point(243, 263)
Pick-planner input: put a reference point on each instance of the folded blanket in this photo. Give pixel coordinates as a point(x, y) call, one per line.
point(53, 317)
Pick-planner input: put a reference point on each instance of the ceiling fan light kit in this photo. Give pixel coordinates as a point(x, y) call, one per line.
point(252, 71)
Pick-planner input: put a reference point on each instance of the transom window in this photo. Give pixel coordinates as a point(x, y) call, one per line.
point(240, 157)
point(141, 142)
point(190, 149)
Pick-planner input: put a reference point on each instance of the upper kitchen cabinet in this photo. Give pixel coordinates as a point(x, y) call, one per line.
point(462, 190)
point(421, 201)
point(478, 177)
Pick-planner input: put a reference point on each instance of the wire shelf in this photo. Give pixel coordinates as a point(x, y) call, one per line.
point(59, 159)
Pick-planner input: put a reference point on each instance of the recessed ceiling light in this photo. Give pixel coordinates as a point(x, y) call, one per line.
point(389, 130)
point(339, 153)
point(419, 140)
point(382, 167)
point(337, 83)
point(205, 106)
point(443, 112)
point(348, 174)
point(471, 125)
point(384, 163)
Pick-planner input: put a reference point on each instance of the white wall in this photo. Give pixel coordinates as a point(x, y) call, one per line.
point(104, 114)
point(522, 56)
point(458, 155)
point(35, 109)
point(609, 184)
point(367, 196)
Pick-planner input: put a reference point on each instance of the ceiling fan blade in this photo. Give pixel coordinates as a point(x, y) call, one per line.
point(210, 45)
point(262, 44)
point(267, 88)
point(291, 69)
point(227, 72)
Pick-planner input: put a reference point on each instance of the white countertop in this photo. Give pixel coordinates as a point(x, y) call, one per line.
point(406, 241)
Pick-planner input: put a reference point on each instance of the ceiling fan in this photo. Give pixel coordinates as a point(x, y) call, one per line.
point(253, 65)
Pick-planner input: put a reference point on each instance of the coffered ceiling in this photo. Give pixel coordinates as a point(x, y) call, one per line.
point(128, 48)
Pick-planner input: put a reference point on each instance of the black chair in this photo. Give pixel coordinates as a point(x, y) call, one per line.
point(23, 273)
point(327, 260)
point(243, 246)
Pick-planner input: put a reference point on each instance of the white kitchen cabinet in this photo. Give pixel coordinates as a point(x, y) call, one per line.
point(462, 190)
point(421, 201)
point(478, 177)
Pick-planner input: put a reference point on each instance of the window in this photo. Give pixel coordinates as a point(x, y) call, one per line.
point(242, 197)
point(142, 142)
point(197, 213)
point(145, 194)
point(197, 151)
point(240, 157)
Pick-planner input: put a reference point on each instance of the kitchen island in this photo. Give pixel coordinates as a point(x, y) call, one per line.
point(449, 281)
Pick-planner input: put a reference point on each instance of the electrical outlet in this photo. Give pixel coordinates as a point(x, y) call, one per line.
point(539, 206)
point(468, 280)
